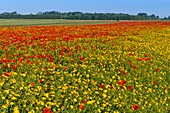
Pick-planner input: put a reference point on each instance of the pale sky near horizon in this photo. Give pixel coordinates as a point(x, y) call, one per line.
point(157, 7)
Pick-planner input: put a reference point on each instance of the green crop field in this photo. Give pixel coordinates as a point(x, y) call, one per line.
point(23, 22)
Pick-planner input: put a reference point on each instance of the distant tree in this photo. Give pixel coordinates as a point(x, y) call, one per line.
point(144, 15)
point(168, 17)
point(14, 13)
point(39, 13)
point(152, 17)
point(165, 18)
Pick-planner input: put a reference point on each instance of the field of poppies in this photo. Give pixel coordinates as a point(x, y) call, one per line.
point(111, 68)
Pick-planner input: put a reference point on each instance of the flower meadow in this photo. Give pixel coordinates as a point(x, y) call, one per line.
point(122, 67)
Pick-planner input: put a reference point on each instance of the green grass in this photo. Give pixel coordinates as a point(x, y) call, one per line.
point(26, 22)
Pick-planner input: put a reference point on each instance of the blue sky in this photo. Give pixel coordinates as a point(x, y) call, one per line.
point(157, 7)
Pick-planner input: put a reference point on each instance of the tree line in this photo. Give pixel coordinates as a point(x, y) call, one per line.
point(79, 16)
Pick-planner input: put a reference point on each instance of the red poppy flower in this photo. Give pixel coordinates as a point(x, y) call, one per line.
point(130, 63)
point(28, 61)
point(81, 107)
point(131, 54)
point(32, 84)
point(163, 66)
point(83, 101)
point(140, 59)
point(71, 60)
point(28, 56)
point(136, 107)
point(122, 82)
point(61, 53)
point(77, 47)
point(47, 110)
point(70, 54)
point(134, 67)
point(7, 74)
point(120, 71)
point(157, 70)
point(41, 81)
point(130, 87)
point(14, 68)
point(154, 82)
point(102, 85)
point(147, 59)
point(164, 109)
point(145, 55)
point(48, 72)
point(5, 66)
point(165, 89)
point(124, 73)
point(81, 58)
point(14, 61)
point(51, 60)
